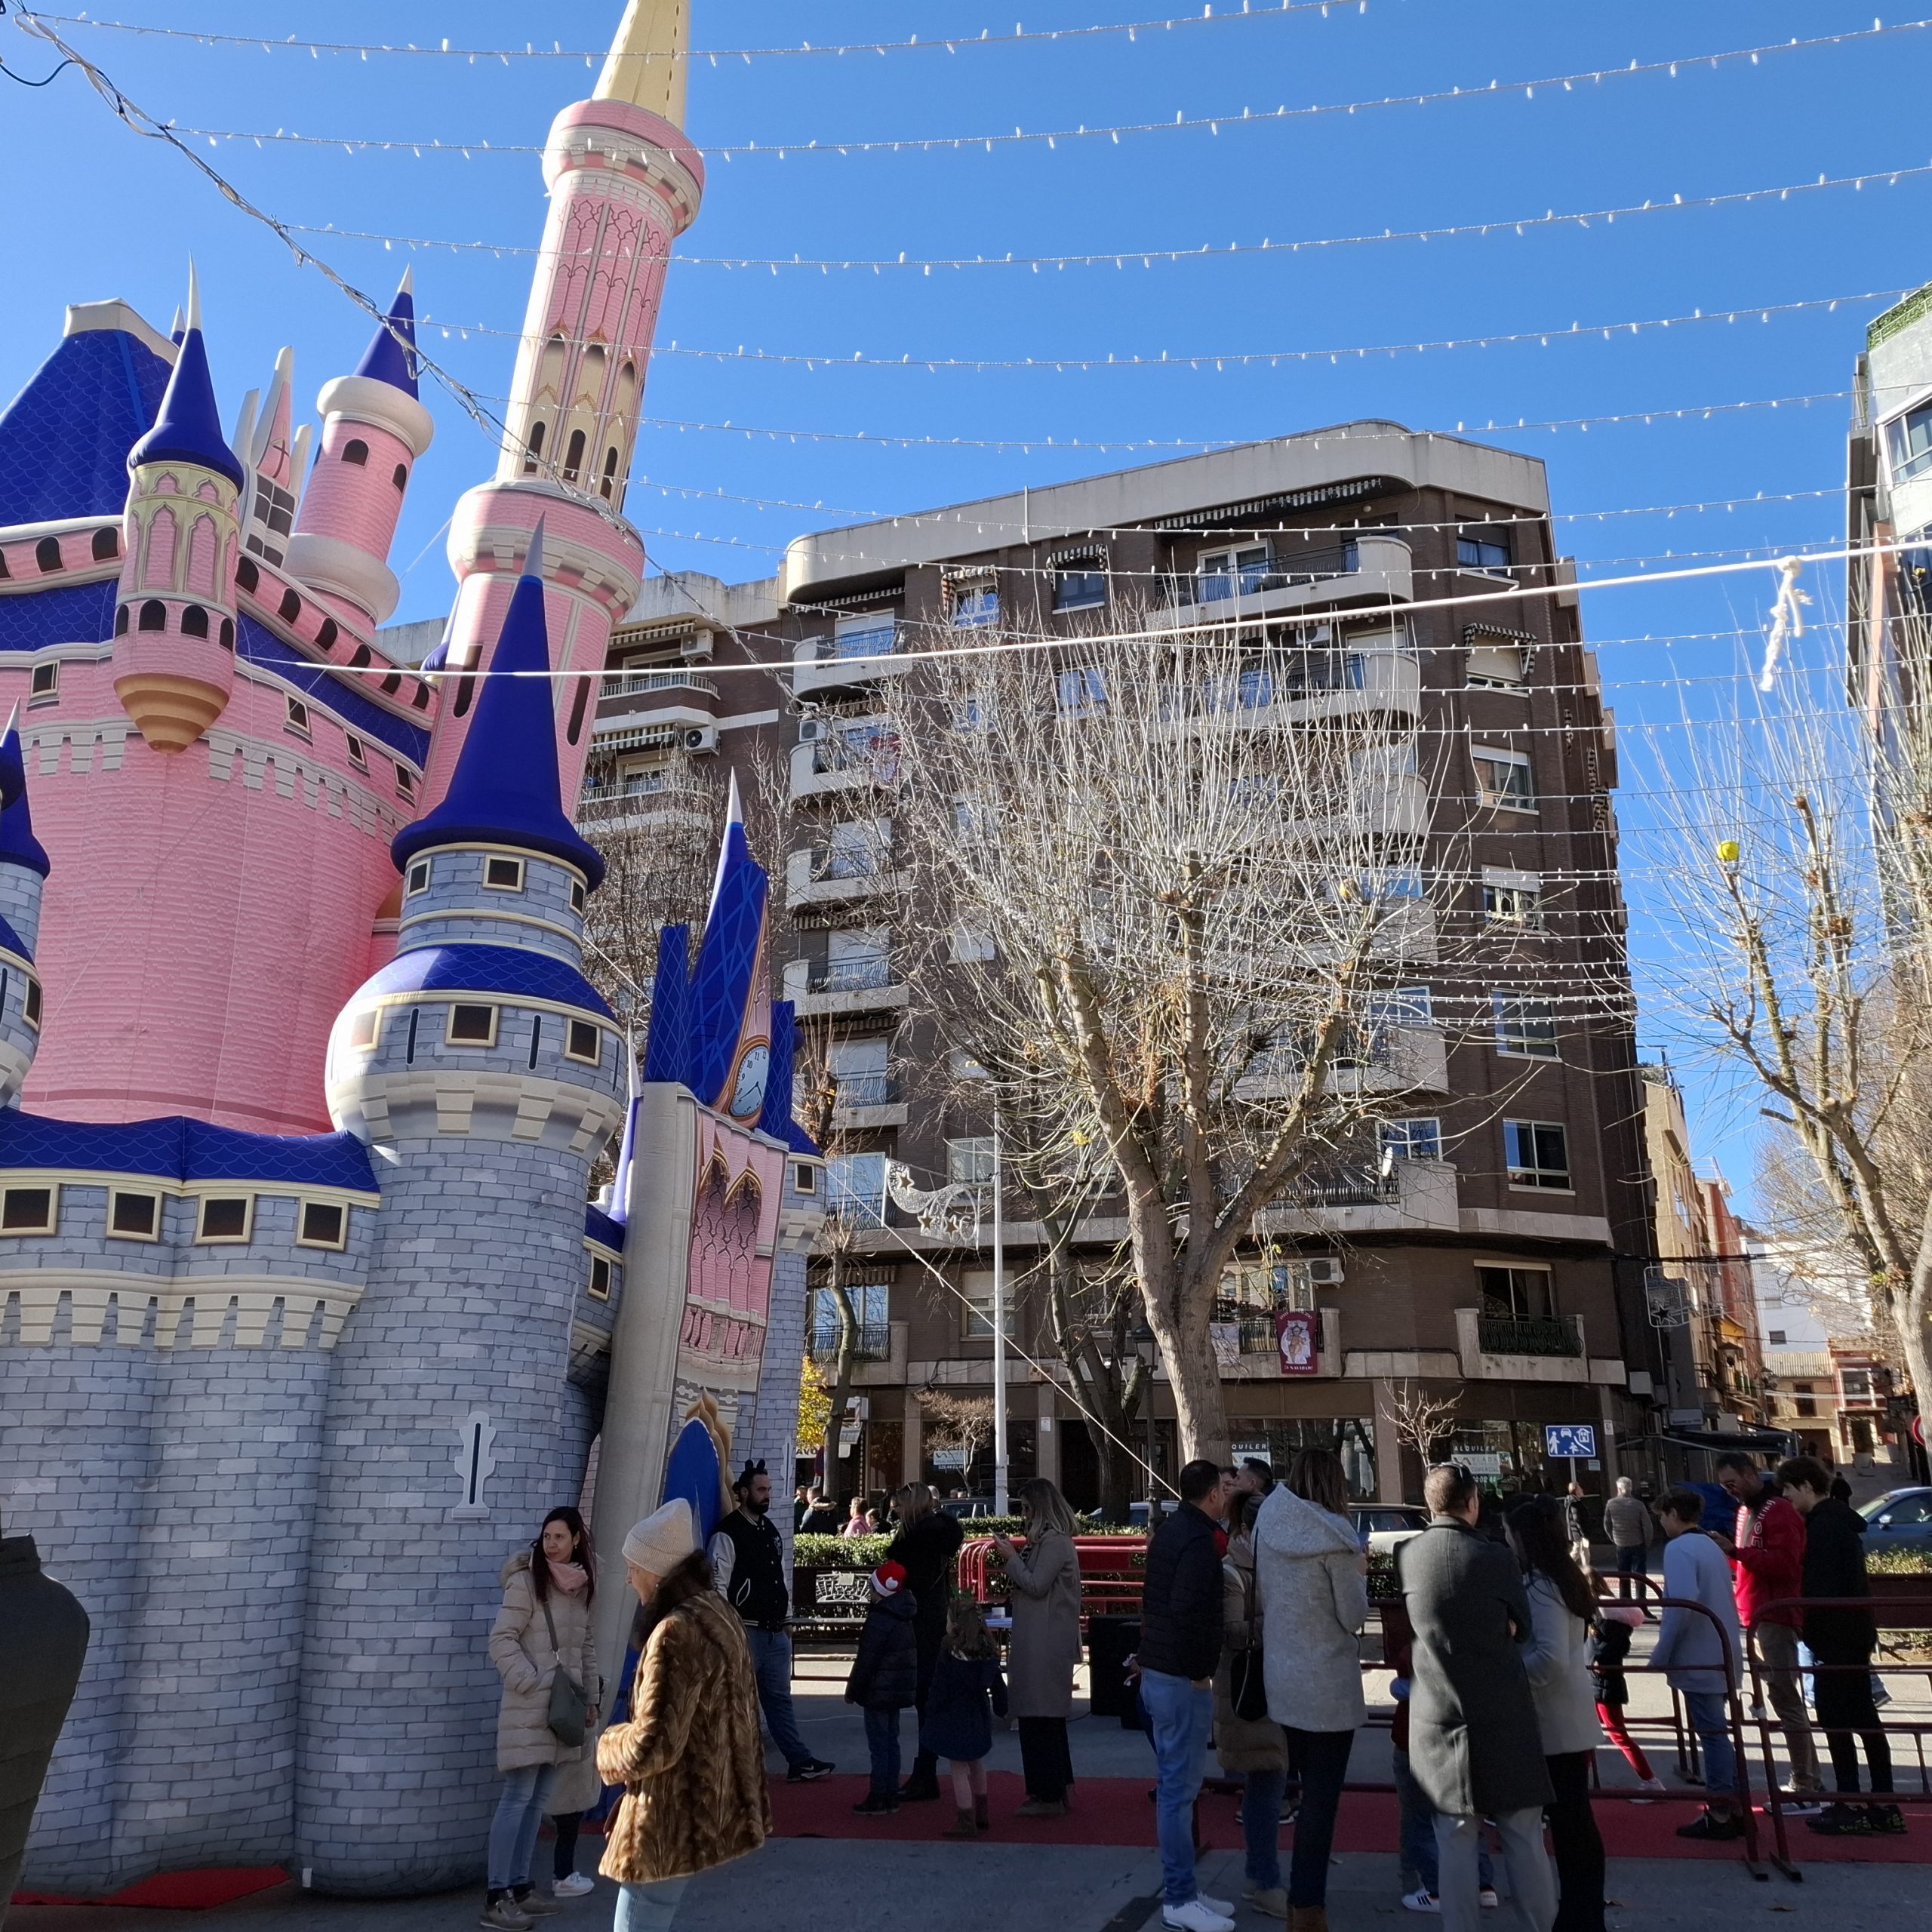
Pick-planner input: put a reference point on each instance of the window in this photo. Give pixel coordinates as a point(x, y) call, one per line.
point(1238, 572)
point(1504, 778)
point(1483, 546)
point(405, 783)
point(1083, 692)
point(1805, 1395)
point(584, 1041)
point(1777, 1339)
point(1497, 667)
point(419, 877)
point(471, 1026)
point(225, 1217)
point(247, 575)
point(401, 477)
point(576, 895)
point(1514, 900)
point(133, 1217)
point(1537, 1152)
point(154, 616)
point(358, 755)
point(364, 1028)
point(855, 1188)
point(1400, 1006)
point(1417, 1140)
point(356, 451)
point(298, 717)
point(502, 875)
point(45, 682)
point(804, 1177)
point(976, 1313)
point(30, 1003)
point(274, 506)
point(865, 634)
point(106, 544)
point(29, 1210)
point(1526, 1026)
point(598, 1286)
point(194, 621)
point(962, 1065)
point(47, 554)
point(870, 1301)
point(975, 605)
point(573, 456)
point(969, 944)
point(325, 1224)
point(1908, 444)
point(1515, 1294)
point(969, 1162)
point(1083, 587)
point(1855, 1384)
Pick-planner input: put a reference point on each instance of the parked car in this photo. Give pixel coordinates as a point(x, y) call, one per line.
point(1136, 1512)
point(968, 1507)
point(1383, 1525)
point(1900, 1519)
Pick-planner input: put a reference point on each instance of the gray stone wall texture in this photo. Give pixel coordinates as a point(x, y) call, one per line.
point(20, 902)
point(467, 1308)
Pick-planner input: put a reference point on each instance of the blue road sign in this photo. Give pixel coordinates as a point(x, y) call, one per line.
point(1574, 1440)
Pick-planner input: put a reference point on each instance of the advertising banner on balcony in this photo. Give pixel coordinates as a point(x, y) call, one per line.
point(1297, 1340)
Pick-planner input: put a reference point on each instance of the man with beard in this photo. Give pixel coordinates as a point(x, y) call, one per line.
point(748, 1563)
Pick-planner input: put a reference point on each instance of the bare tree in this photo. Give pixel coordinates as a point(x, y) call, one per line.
point(1797, 878)
point(1421, 1419)
point(953, 1421)
point(1178, 874)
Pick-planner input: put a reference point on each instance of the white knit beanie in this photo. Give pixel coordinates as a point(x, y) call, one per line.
point(664, 1540)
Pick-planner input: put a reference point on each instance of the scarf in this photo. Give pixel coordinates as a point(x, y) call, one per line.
point(568, 1578)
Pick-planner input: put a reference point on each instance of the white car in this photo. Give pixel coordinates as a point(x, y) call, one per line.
point(1383, 1527)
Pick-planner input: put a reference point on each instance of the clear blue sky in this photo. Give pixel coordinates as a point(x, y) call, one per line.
point(97, 212)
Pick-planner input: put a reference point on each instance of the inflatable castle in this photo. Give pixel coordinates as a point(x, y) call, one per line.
point(306, 1314)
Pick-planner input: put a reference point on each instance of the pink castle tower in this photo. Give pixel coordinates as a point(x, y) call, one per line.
point(624, 184)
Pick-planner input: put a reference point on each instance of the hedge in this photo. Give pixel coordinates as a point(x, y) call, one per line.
point(833, 1552)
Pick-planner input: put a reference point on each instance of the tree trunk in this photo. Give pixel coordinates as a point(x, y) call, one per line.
point(845, 1361)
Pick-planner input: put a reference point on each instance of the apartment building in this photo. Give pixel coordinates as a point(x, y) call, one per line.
point(1493, 1253)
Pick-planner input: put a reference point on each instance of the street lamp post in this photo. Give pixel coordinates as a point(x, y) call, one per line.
point(999, 1335)
point(1142, 1340)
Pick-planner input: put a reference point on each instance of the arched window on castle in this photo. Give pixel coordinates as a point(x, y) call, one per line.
point(47, 553)
point(610, 482)
point(356, 451)
point(194, 621)
point(401, 478)
point(573, 457)
point(106, 544)
point(535, 453)
point(154, 616)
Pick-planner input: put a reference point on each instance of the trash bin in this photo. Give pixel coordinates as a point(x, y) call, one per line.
point(1111, 1641)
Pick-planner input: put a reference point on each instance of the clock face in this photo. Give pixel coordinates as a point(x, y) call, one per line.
point(748, 1092)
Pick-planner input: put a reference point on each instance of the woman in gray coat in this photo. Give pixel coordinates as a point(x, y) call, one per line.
point(1045, 1577)
point(1557, 1658)
point(1311, 1575)
point(543, 1628)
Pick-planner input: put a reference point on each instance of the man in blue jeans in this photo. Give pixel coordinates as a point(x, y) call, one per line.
point(1181, 1645)
point(1698, 1654)
point(748, 1563)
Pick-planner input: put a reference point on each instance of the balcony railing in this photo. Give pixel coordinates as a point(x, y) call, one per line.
point(864, 1090)
point(1528, 1335)
point(630, 684)
point(1282, 573)
point(875, 1343)
point(640, 792)
point(857, 974)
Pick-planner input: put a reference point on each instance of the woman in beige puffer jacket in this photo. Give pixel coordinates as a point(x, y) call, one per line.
point(554, 1575)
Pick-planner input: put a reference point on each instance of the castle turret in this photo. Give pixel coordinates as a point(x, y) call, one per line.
point(487, 1073)
point(274, 455)
point(174, 619)
point(624, 184)
point(373, 430)
point(23, 870)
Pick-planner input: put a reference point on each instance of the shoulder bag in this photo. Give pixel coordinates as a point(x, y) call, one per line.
point(1248, 1677)
point(570, 1709)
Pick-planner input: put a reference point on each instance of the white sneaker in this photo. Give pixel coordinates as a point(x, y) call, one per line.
point(1488, 1899)
point(1224, 1906)
point(1654, 1787)
point(1194, 1917)
point(1419, 1900)
point(572, 1885)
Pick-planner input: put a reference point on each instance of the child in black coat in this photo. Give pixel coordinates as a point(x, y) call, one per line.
point(957, 1725)
point(1609, 1650)
point(884, 1681)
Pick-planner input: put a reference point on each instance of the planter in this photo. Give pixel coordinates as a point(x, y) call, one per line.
point(1889, 1588)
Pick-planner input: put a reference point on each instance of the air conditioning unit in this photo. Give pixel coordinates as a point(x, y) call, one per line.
point(1324, 1271)
point(701, 738)
point(697, 649)
point(812, 730)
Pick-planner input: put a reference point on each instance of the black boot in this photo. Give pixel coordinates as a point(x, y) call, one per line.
point(922, 1787)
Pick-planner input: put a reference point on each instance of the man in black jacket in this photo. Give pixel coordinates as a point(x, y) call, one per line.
point(748, 1565)
point(1180, 1646)
point(1840, 1640)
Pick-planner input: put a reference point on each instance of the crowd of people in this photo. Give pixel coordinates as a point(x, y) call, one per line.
point(1509, 1671)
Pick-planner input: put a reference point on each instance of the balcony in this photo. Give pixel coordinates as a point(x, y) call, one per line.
point(671, 697)
point(1494, 1347)
point(866, 1100)
point(859, 982)
point(875, 1344)
point(1413, 1196)
point(1245, 1349)
point(856, 758)
point(1395, 1059)
point(1317, 684)
point(836, 875)
point(642, 802)
point(1372, 570)
point(825, 666)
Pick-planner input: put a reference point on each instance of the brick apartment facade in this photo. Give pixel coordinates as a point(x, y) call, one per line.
point(1499, 1246)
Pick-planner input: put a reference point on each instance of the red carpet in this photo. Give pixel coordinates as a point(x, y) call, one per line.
point(177, 1891)
point(1116, 1811)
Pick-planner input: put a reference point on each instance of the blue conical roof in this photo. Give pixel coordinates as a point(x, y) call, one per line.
point(505, 790)
point(387, 360)
point(18, 846)
point(188, 427)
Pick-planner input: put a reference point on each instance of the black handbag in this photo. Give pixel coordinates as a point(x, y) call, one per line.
point(1247, 1676)
point(569, 1709)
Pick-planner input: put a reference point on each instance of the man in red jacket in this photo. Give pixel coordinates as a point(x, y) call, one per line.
point(1766, 1551)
